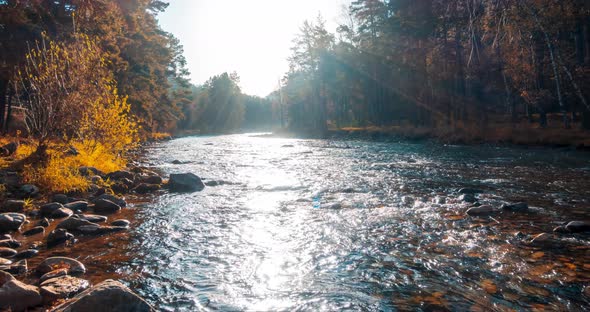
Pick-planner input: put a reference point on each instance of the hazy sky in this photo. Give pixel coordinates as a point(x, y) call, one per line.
point(252, 37)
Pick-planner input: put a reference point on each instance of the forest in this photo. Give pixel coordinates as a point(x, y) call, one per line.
point(459, 64)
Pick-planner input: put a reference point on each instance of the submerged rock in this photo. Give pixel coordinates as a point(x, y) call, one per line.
point(121, 222)
point(545, 240)
point(26, 254)
point(578, 226)
point(17, 296)
point(481, 210)
point(53, 274)
point(112, 198)
point(73, 223)
point(472, 191)
point(72, 265)
point(518, 207)
point(62, 213)
point(185, 182)
point(18, 268)
point(108, 296)
point(11, 243)
point(92, 218)
point(145, 188)
point(470, 198)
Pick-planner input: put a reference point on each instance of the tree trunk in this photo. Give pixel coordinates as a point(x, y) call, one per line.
point(3, 102)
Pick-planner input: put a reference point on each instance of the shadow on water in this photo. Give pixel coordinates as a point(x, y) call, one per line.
point(308, 225)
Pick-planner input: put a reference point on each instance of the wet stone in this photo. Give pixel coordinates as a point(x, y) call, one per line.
point(60, 198)
point(44, 222)
point(26, 254)
point(62, 287)
point(481, 210)
point(11, 221)
point(50, 208)
point(517, 207)
point(105, 206)
point(53, 274)
point(58, 236)
point(18, 268)
point(92, 218)
point(34, 231)
point(10, 243)
point(62, 213)
point(4, 261)
point(12, 205)
point(121, 222)
point(50, 264)
point(77, 205)
point(6, 252)
point(578, 226)
point(470, 198)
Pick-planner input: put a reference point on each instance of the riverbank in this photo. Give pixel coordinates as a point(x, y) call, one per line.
point(63, 248)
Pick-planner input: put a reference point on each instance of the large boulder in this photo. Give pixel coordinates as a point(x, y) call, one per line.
point(108, 296)
point(53, 263)
point(185, 182)
point(11, 221)
point(17, 296)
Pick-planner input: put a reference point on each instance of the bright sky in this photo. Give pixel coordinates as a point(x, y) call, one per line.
point(251, 37)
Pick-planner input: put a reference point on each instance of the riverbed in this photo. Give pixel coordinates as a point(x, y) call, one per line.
point(325, 225)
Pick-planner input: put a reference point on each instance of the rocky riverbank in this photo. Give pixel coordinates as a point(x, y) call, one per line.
point(40, 233)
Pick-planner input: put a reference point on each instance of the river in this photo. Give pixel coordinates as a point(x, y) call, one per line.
point(326, 225)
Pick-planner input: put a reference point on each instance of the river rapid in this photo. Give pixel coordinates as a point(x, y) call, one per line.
point(326, 225)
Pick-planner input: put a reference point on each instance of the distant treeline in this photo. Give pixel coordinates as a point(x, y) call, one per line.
point(444, 63)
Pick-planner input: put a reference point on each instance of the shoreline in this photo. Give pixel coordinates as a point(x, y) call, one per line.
point(80, 228)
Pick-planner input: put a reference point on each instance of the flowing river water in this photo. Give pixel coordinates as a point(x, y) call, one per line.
point(326, 225)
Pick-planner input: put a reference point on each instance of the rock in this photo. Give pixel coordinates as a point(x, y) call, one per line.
point(11, 243)
point(470, 198)
point(12, 205)
point(5, 236)
point(121, 222)
point(73, 223)
point(145, 188)
point(212, 183)
point(34, 231)
point(44, 222)
point(185, 182)
point(58, 236)
point(152, 179)
point(440, 200)
point(6, 252)
point(18, 268)
point(28, 190)
point(62, 213)
point(545, 240)
point(121, 174)
point(9, 149)
point(578, 226)
point(92, 218)
point(560, 229)
point(72, 151)
point(17, 296)
point(62, 287)
point(518, 207)
point(48, 209)
point(105, 206)
point(53, 274)
point(89, 171)
point(120, 188)
point(481, 210)
point(72, 265)
point(111, 198)
point(26, 254)
point(96, 229)
point(77, 205)
point(96, 179)
point(472, 191)
point(11, 221)
point(108, 296)
point(60, 198)
point(4, 261)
